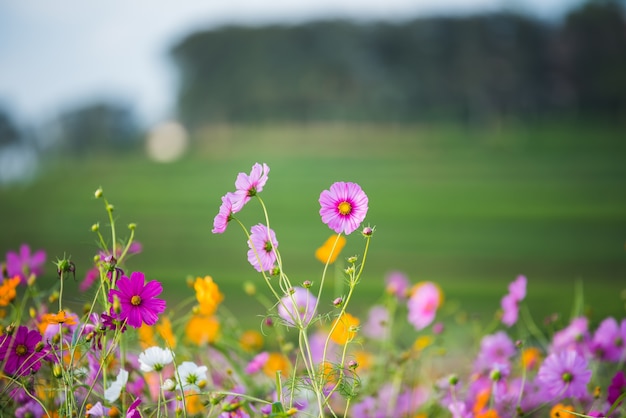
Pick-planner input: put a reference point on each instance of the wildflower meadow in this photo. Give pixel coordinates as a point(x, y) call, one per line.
point(132, 353)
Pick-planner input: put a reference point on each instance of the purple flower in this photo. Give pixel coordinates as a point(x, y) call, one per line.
point(224, 215)
point(257, 363)
point(609, 340)
point(573, 337)
point(565, 375)
point(494, 348)
point(262, 243)
point(249, 185)
point(25, 263)
point(510, 302)
point(30, 409)
point(617, 387)
point(133, 411)
point(377, 325)
point(98, 410)
point(21, 352)
point(138, 301)
point(300, 304)
point(397, 284)
point(91, 276)
point(343, 207)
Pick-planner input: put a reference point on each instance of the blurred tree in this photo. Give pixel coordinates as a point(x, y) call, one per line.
point(9, 132)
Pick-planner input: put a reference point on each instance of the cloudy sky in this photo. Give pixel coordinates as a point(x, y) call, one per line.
point(55, 55)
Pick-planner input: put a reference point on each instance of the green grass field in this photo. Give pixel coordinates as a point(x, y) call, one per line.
point(469, 209)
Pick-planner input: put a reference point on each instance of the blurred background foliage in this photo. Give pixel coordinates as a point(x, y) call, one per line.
point(490, 145)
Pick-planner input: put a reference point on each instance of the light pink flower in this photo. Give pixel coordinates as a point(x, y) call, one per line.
point(262, 243)
point(249, 185)
point(304, 307)
point(423, 304)
point(510, 302)
point(225, 214)
point(343, 207)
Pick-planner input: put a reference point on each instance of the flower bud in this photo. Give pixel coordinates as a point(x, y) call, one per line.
point(353, 364)
point(110, 208)
point(275, 271)
point(168, 384)
point(337, 302)
point(453, 380)
point(98, 193)
point(132, 226)
point(57, 371)
point(367, 231)
point(39, 346)
point(95, 227)
point(307, 284)
point(352, 259)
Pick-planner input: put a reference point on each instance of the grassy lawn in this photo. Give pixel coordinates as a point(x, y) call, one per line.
point(467, 209)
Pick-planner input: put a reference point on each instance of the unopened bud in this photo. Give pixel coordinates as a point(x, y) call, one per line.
point(39, 346)
point(98, 193)
point(32, 312)
point(275, 271)
point(31, 280)
point(453, 380)
point(353, 364)
point(337, 302)
point(57, 371)
point(168, 384)
point(367, 231)
point(110, 208)
point(307, 284)
point(95, 227)
point(352, 259)
point(350, 270)
point(132, 226)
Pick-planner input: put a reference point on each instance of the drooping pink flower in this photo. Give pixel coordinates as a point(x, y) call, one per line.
point(262, 244)
point(90, 277)
point(138, 300)
point(565, 375)
point(249, 185)
point(343, 207)
point(21, 352)
point(510, 302)
point(300, 304)
point(423, 304)
point(24, 263)
point(225, 214)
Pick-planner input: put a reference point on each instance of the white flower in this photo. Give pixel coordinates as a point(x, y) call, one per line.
point(191, 375)
point(115, 390)
point(154, 358)
point(169, 385)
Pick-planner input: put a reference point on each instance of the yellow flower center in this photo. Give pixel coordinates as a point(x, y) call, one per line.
point(344, 208)
point(21, 349)
point(135, 300)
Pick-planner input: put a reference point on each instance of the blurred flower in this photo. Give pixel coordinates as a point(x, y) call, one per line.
point(249, 185)
point(617, 387)
point(377, 325)
point(257, 363)
point(19, 352)
point(164, 329)
point(133, 411)
point(574, 337)
point(397, 284)
point(565, 375)
point(90, 277)
point(155, 358)
point(225, 214)
point(494, 348)
point(326, 253)
point(343, 207)
point(113, 392)
point(139, 303)
point(510, 302)
point(251, 340)
point(297, 307)
point(202, 329)
point(425, 299)
point(24, 264)
point(98, 410)
point(192, 376)
point(345, 328)
point(277, 362)
point(531, 357)
point(262, 243)
point(7, 290)
point(562, 411)
point(208, 295)
point(609, 340)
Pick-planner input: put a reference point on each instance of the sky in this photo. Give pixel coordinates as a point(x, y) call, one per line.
point(57, 55)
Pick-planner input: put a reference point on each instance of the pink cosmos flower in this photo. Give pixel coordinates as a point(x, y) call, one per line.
point(249, 185)
point(133, 409)
point(377, 325)
point(494, 348)
point(262, 243)
point(617, 387)
point(609, 340)
point(138, 301)
point(225, 214)
point(573, 337)
point(397, 284)
point(19, 352)
point(423, 304)
point(25, 263)
point(343, 207)
point(510, 302)
point(304, 307)
point(565, 375)
point(257, 363)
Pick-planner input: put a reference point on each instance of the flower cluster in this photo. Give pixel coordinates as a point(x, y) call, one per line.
point(409, 354)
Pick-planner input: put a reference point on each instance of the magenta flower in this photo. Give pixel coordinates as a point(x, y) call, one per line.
point(617, 387)
point(133, 409)
point(609, 340)
point(423, 304)
point(510, 302)
point(249, 185)
point(301, 304)
point(573, 337)
point(25, 263)
point(138, 301)
point(343, 207)
point(262, 243)
point(565, 375)
point(21, 353)
point(257, 363)
point(224, 215)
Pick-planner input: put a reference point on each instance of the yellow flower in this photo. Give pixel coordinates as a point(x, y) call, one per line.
point(345, 328)
point(251, 340)
point(146, 336)
point(276, 362)
point(164, 328)
point(325, 252)
point(208, 295)
point(7, 290)
point(202, 329)
point(422, 342)
point(531, 357)
point(193, 402)
point(562, 411)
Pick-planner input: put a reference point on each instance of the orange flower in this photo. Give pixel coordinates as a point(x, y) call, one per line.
point(251, 340)
point(202, 329)
point(345, 328)
point(7, 290)
point(531, 357)
point(55, 319)
point(146, 336)
point(325, 252)
point(164, 328)
point(277, 362)
point(562, 411)
point(193, 402)
point(489, 413)
point(481, 401)
point(208, 295)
